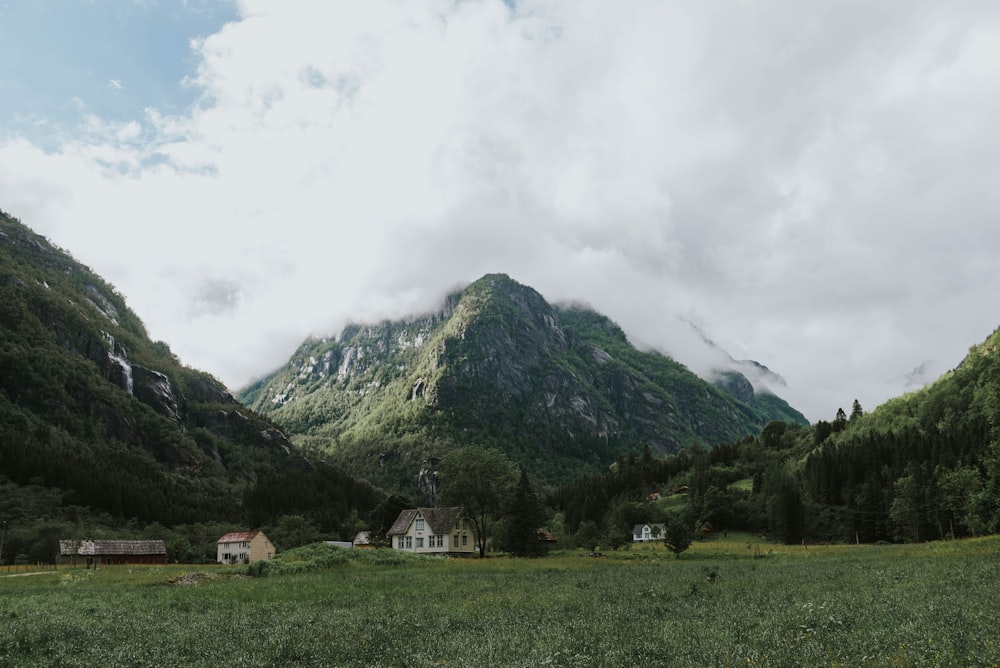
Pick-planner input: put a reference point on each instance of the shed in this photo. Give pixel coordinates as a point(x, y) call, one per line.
point(112, 552)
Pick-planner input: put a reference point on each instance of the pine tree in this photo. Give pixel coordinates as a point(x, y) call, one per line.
point(840, 422)
point(519, 533)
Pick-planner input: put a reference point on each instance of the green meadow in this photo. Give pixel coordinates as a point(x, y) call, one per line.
point(724, 602)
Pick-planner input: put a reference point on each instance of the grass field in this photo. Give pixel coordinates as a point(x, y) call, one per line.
point(723, 603)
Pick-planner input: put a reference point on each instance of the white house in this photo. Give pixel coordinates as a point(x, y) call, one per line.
point(433, 531)
point(244, 547)
point(644, 533)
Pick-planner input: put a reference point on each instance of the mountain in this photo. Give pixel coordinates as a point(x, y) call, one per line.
point(109, 420)
point(559, 388)
point(921, 466)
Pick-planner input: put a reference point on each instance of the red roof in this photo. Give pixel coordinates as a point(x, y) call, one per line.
point(238, 537)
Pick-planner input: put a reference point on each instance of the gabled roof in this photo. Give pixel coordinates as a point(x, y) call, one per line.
point(439, 520)
point(545, 536)
point(99, 548)
point(238, 537)
point(638, 527)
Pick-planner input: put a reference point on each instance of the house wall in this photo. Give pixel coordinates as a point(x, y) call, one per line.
point(111, 559)
point(261, 548)
point(653, 535)
point(462, 535)
point(232, 553)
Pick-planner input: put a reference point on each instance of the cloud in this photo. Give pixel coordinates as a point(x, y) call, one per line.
point(808, 184)
point(115, 84)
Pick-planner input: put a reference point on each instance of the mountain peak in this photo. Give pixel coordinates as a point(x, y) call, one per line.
point(559, 388)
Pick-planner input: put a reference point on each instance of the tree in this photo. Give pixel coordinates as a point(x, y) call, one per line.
point(293, 531)
point(856, 411)
point(588, 535)
point(521, 521)
point(677, 534)
point(840, 421)
point(479, 480)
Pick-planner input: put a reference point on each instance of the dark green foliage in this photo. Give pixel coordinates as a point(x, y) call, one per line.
point(318, 557)
point(523, 517)
point(321, 493)
point(677, 534)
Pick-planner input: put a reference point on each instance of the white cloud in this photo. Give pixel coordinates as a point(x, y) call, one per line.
point(810, 184)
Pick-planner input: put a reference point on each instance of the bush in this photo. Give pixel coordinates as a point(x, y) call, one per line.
point(319, 557)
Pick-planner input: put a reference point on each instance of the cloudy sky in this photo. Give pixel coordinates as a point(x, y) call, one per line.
point(813, 185)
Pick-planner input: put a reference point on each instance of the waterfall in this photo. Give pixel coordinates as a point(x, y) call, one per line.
point(121, 362)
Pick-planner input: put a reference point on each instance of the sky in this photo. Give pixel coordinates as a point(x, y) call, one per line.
point(810, 185)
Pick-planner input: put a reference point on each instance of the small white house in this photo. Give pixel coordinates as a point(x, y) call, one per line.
point(433, 531)
point(244, 547)
point(645, 533)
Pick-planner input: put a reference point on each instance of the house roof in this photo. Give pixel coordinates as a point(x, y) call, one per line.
point(439, 520)
point(99, 548)
point(638, 527)
point(238, 537)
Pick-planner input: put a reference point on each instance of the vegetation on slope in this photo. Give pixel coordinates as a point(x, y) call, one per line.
point(925, 466)
point(101, 427)
point(558, 389)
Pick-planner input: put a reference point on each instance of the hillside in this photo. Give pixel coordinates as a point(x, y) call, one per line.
point(95, 416)
point(558, 388)
point(923, 466)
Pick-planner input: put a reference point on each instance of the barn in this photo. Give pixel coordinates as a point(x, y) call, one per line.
point(112, 552)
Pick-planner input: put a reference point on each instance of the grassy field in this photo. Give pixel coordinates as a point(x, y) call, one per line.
point(723, 603)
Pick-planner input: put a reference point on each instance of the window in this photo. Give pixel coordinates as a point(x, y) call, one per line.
point(420, 542)
point(419, 524)
point(465, 540)
point(454, 543)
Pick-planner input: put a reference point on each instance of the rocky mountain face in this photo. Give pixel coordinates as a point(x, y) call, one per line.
point(91, 406)
point(558, 388)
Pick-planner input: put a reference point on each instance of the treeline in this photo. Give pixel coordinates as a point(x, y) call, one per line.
point(921, 467)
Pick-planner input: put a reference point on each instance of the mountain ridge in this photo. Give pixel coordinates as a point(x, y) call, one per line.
point(498, 365)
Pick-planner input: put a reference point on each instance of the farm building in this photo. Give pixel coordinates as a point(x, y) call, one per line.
point(244, 547)
point(112, 552)
point(433, 531)
point(363, 541)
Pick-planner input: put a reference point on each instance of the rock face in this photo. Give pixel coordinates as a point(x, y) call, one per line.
point(556, 387)
point(154, 389)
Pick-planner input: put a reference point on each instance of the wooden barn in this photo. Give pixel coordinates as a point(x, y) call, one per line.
point(112, 552)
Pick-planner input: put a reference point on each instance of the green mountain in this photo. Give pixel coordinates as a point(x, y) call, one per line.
point(105, 419)
point(558, 388)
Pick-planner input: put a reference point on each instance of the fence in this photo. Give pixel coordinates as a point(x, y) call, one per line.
point(20, 569)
